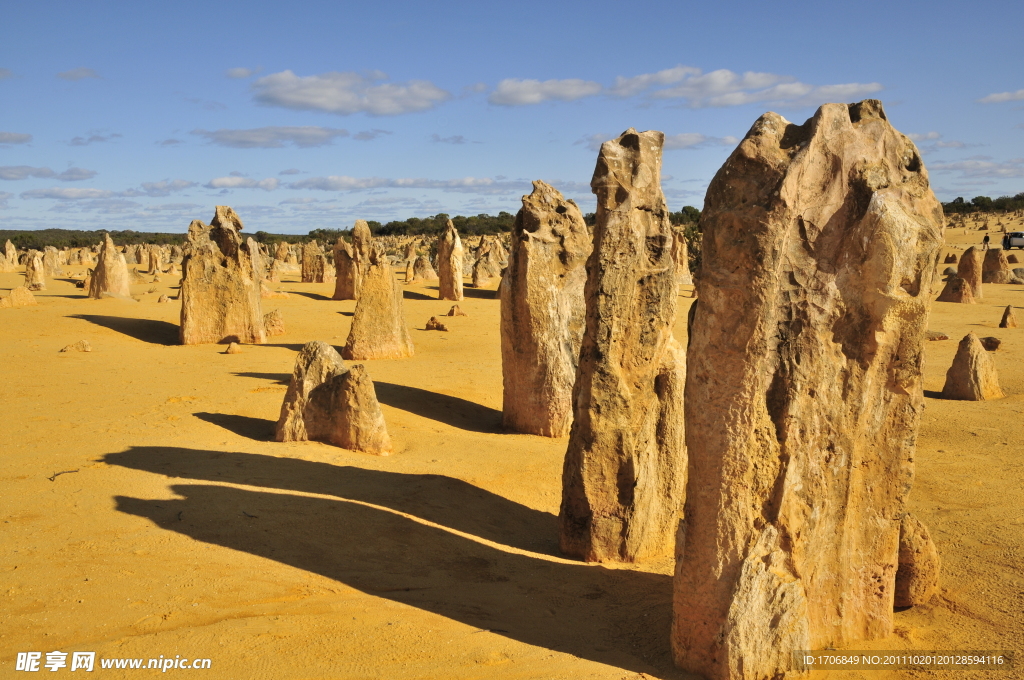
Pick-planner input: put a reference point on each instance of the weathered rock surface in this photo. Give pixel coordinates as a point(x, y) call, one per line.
point(995, 268)
point(163, 299)
point(1009, 319)
point(456, 311)
point(346, 285)
point(378, 326)
point(422, 270)
point(969, 269)
point(314, 263)
point(435, 324)
point(991, 344)
point(681, 256)
point(80, 346)
point(624, 476)
point(543, 313)
point(449, 264)
point(51, 262)
point(956, 290)
point(35, 274)
point(274, 323)
point(950, 259)
point(804, 392)
point(111, 272)
point(9, 258)
point(233, 348)
point(1012, 258)
point(19, 297)
point(972, 377)
point(327, 401)
point(220, 300)
point(917, 574)
point(936, 335)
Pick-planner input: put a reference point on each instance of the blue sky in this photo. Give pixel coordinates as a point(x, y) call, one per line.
point(143, 116)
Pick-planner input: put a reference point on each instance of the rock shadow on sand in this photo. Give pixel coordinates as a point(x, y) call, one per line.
point(612, 616)
point(311, 296)
point(413, 295)
point(460, 413)
point(258, 429)
point(147, 330)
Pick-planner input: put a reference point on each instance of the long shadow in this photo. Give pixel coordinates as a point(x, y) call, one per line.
point(480, 293)
point(295, 347)
point(312, 296)
point(279, 378)
point(146, 330)
point(465, 415)
point(616, 617)
point(260, 429)
point(437, 498)
point(347, 313)
point(413, 295)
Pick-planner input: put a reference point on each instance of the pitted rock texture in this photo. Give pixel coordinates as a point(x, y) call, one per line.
point(543, 313)
point(804, 394)
point(378, 326)
point(624, 476)
point(917, 576)
point(111, 272)
point(330, 402)
point(35, 273)
point(449, 264)
point(220, 300)
point(972, 376)
point(970, 270)
point(996, 268)
point(956, 290)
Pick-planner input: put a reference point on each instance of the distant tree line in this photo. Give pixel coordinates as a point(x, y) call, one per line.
point(473, 225)
point(984, 204)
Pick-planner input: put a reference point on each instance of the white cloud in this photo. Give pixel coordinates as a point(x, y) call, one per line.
point(629, 87)
point(17, 172)
point(241, 72)
point(368, 135)
point(1000, 97)
point(517, 92)
point(480, 185)
point(6, 73)
point(78, 74)
point(14, 138)
point(4, 195)
point(927, 136)
point(174, 208)
point(454, 139)
point(982, 166)
point(67, 194)
point(76, 175)
point(166, 187)
point(92, 138)
point(274, 137)
point(207, 104)
point(291, 171)
point(347, 93)
point(718, 88)
point(235, 182)
point(170, 142)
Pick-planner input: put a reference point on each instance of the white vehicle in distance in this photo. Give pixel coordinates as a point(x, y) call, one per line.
point(1013, 239)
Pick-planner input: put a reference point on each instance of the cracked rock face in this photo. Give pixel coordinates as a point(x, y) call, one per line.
point(804, 392)
point(220, 298)
point(624, 476)
point(542, 313)
point(111, 273)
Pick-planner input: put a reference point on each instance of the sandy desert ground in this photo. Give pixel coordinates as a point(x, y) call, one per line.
point(180, 528)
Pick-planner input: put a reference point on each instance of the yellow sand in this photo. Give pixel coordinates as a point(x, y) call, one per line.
point(181, 529)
